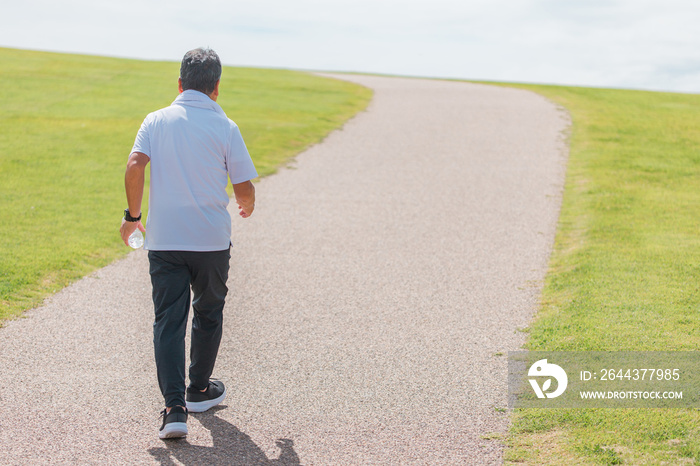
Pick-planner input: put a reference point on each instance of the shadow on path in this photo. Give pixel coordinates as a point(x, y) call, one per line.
point(231, 447)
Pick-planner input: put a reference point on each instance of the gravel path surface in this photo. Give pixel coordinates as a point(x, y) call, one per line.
point(372, 291)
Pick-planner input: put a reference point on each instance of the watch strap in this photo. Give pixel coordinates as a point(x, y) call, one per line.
point(129, 218)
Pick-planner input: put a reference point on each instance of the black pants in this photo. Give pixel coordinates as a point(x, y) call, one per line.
point(172, 275)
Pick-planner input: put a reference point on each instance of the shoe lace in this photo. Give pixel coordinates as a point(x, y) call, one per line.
point(165, 412)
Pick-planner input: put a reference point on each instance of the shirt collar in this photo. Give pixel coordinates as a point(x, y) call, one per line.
point(193, 98)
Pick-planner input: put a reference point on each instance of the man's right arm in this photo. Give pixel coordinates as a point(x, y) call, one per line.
point(245, 197)
point(134, 183)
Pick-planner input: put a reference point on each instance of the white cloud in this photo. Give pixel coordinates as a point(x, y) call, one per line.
point(623, 43)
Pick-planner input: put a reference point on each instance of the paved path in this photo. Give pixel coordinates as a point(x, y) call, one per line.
point(372, 291)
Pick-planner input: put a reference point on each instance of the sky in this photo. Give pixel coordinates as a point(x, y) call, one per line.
point(637, 44)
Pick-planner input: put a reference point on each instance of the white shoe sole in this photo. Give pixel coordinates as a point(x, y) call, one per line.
point(201, 406)
point(173, 430)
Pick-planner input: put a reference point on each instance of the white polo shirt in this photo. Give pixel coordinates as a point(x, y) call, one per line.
point(194, 150)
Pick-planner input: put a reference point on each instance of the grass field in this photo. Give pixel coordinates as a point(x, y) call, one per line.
point(624, 272)
point(67, 126)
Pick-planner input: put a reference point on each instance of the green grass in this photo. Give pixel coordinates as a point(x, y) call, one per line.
point(624, 271)
point(67, 126)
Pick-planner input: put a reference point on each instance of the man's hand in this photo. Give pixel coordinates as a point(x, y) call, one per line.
point(246, 211)
point(128, 228)
point(245, 197)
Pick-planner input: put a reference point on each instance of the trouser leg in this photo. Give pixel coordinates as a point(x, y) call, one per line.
point(171, 300)
point(209, 274)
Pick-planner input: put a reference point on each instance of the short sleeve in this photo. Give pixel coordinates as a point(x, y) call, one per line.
point(238, 162)
point(143, 142)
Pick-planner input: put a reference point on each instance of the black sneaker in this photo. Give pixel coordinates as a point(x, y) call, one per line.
point(198, 402)
point(174, 423)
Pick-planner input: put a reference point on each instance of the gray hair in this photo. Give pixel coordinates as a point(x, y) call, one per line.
point(200, 70)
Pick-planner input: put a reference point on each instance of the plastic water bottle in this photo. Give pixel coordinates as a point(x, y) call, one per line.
point(136, 239)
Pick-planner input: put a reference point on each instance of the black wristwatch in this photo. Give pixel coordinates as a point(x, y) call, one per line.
point(129, 218)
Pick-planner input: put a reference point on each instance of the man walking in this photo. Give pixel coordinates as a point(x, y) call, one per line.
point(193, 149)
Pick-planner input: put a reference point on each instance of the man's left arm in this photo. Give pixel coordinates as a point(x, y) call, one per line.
point(134, 180)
